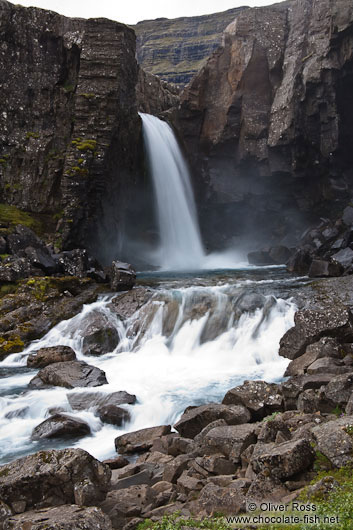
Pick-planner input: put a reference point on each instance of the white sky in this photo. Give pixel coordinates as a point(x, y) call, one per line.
point(131, 11)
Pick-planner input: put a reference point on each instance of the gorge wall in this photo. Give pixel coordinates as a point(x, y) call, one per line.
point(267, 122)
point(70, 135)
point(175, 49)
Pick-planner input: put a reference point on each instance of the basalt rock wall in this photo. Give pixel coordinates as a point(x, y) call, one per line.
point(268, 120)
point(70, 135)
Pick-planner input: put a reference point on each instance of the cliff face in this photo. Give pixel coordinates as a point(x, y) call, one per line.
point(69, 128)
point(267, 121)
point(176, 49)
point(154, 95)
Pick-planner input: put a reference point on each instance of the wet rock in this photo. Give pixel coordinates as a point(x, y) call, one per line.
point(231, 440)
point(192, 422)
point(77, 262)
point(339, 389)
point(141, 440)
point(50, 478)
point(280, 254)
point(70, 374)
point(42, 259)
point(126, 304)
point(67, 517)
point(259, 397)
point(116, 463)
point(122, 276)
point(320, 268)
point(50, 355)
point(284, 460)
point(17, 269)
point(21, 238)
point(113, 415)
point(61, 426)
point(260, 257)
point(99, 335)
point(300, 262)
point(87, 400)
point(311, 325)
point(229, 500)
point(344, 257)
point(334, 442)
point(265, 488)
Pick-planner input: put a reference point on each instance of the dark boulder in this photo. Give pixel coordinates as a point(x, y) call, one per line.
point(284, 460)
point(113, 415)
point(230, 441)
point(116, 463)
point(280, 254)
point(67, 517)
point(126, 304)
point(78, 263)
point(327, 365)
point(339, 389)
point(3, 245)
point(300, 262)
point(334, 441)
point(69, 374)
point(230, 500)
point(347, 216)
point(192, 422)
point(266, 488)
point(61, 426)
point(50, 478)
point(21, 238)
point(42, 259)
point(50, 355)
point(17, 269)
point(260, 257)
point(311, 325)
point(87, 400)
point(141, 440)
point(259, 397)
point(122, 276)
point(344, 257)
point(99, 335)
point(324, 269)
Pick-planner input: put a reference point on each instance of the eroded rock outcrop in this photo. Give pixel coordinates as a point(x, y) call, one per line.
point(70, 133)
point(267, 120)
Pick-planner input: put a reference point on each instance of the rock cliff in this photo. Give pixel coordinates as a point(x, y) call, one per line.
point(267, 121)
point(175, 49)
point(69, 128)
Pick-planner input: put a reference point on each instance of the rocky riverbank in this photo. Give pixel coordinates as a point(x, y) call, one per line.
point(264, 442)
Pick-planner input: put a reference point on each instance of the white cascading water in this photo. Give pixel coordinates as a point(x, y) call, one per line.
point(181, 246)
point(186, 346)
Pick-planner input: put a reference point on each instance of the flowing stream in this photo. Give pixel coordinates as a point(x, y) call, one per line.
point(192, 341)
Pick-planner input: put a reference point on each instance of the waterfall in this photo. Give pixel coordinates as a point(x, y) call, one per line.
point(180, 240)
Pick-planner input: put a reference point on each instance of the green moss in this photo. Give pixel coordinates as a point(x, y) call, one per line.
point(4, 472)
point(175, 522)
point(337, 411)
point(7, 288)
point(40, 287)
point(87, 96)
point(12, 344)
point(69, 87)
point(31, 134)
point(87, 145)
point(321, 462)
point(271, 417)
point(13, 216)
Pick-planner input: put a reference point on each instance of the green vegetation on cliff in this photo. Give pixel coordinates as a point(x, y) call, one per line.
point(176, 49)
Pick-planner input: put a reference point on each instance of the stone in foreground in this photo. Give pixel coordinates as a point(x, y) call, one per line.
point(67, 517)
point(141, 440)
point(61, 426)
point(52, 478)
point(50, 355)
point(69, 374)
